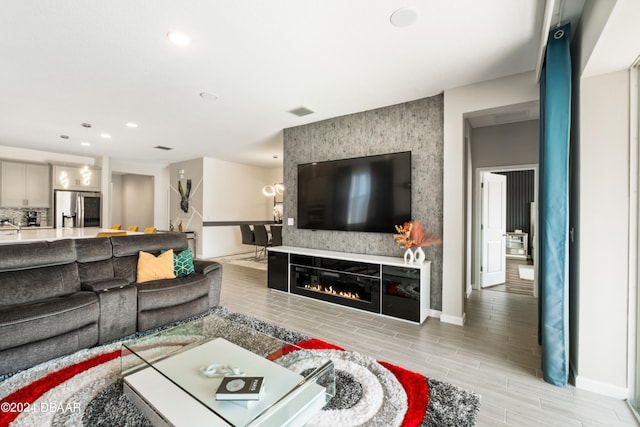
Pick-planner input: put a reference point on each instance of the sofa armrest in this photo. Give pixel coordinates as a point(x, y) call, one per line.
point(212, 270)
point(118, 307)
point(104, 285)
point(205, 267)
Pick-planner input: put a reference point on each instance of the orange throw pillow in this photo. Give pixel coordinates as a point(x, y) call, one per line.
point(151, 267)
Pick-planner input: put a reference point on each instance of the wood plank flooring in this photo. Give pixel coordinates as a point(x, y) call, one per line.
point(495, 354)
point(514, 284)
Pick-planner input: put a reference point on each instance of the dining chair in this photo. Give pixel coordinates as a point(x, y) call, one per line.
point(261, 238)
point(132, 228)
point(247, 236)
point(149, 230)
point(116, 227)
point(276, 235)
point(111, 233)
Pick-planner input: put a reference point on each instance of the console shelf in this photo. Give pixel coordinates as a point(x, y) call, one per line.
point(377, 284)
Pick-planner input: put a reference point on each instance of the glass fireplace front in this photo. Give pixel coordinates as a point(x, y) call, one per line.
point(340, 287)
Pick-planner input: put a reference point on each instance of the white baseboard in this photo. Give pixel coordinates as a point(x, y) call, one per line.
point(602, 388)
point(455, 320)
point(435, 313)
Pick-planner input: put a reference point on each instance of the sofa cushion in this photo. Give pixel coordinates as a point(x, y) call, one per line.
point(124, 246)
point(24, 286)
point(169, 292)
point(36, 352)
point(24, 323)
point(151, 267)
point(93, 249)
point(97, 270)
point(26, 256)
point(126, 249)
point(162, 316)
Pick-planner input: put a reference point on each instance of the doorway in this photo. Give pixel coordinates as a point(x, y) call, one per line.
point(132, 200)
point(518, 242)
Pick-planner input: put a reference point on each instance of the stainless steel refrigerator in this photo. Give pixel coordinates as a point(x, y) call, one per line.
point(77, 208)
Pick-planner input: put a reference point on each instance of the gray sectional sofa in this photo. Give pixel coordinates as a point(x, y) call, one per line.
point(61, 296)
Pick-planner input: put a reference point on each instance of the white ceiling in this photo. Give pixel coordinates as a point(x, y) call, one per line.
point(108, 62)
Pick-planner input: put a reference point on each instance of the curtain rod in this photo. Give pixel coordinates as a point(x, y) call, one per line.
point(560, 9)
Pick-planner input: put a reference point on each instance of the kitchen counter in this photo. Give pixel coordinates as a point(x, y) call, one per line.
point(33, 234)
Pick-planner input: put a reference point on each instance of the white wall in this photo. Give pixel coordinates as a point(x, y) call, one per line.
point(137, 201)
point(603, 233)
point(116, 200)
point(160, 176)
point(508, 144)
point(180, 173)
point(35, 156)
point(233, 192)
point(509, 90)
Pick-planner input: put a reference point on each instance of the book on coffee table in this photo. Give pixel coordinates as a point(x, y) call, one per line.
point(240, 388)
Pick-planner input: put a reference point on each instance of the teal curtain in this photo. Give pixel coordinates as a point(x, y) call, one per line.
point(553, 214)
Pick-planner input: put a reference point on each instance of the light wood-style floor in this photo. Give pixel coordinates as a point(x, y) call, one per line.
point(495, 353)
point(514, 284)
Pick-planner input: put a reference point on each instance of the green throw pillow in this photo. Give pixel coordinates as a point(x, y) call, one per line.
point(183, 263)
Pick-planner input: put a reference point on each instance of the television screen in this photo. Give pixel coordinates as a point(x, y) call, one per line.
point(370, 193)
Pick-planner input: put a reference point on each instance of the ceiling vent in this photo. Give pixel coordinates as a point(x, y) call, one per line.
point(162, 147)
point(301, 111)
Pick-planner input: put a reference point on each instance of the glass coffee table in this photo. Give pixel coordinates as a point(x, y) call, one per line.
point(172, 376)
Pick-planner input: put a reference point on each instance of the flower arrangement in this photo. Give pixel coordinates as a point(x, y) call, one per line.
point(277, 213)
point(412, 234)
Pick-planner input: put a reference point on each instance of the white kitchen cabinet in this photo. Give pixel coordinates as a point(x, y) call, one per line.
point(76, 178)
point(25, 185)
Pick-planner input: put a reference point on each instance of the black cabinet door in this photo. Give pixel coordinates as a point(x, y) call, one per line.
point(401, 292)
point(278, 266)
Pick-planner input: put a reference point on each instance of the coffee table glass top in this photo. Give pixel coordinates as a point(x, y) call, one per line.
point(196, 355)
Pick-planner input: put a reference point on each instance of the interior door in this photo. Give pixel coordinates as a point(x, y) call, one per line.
point(494, 228)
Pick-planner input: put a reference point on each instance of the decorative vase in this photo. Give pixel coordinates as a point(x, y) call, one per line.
point(420, 255)
point(408, 256)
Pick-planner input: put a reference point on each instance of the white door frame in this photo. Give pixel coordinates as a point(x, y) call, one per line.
point(477, 215)
point(634, 240)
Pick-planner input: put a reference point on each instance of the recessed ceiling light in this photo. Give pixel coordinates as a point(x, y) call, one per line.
point(132, 125)
point(162, 147)
point(85, 125)
point(105, 135)
point(64, 136)
point(85, 144)
point(403, 17)
point(179, 39)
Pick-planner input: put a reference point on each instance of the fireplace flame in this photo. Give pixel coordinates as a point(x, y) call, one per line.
point(331, 291)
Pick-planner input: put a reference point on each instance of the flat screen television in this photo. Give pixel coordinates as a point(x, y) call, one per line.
point(369, 194)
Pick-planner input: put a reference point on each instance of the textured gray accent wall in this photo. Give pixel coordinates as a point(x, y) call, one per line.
point(415, 126)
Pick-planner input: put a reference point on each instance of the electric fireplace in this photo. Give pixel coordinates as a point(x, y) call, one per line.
point(349, 283)
point(377, 284)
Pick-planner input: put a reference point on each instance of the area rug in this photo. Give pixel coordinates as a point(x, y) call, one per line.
point(85, 389)
point(525, 272)
point(245, 260)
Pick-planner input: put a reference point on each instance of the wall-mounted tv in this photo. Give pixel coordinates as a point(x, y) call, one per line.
point(370, 193)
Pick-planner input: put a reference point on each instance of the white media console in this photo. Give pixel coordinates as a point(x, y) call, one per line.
point(384, 285)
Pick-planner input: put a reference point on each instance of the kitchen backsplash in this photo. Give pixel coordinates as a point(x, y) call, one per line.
point(19, 216)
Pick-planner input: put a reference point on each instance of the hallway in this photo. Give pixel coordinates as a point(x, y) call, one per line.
point(517, 281)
